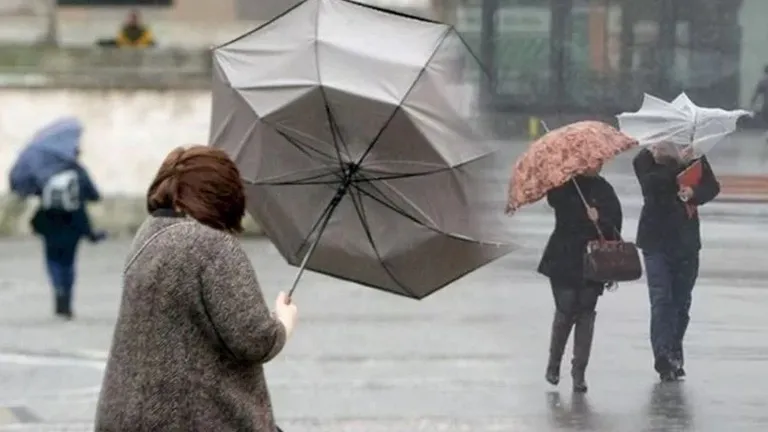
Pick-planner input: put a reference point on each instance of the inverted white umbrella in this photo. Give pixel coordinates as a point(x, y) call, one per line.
point(679, 123)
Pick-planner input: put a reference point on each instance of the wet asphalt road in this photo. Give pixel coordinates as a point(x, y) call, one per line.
point(469, 358)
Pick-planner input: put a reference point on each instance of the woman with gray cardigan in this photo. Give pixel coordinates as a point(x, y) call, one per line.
point(193, 330)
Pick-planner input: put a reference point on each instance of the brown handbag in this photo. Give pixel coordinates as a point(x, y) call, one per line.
point(610, 261)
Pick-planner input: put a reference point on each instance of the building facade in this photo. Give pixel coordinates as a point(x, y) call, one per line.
point(541, 55)
point(219, 10)
point(602, 55)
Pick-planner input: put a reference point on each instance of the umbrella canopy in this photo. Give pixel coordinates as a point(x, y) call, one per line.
point(53, 149)
point(679, 123)
point(355, 136)
point(560, 155)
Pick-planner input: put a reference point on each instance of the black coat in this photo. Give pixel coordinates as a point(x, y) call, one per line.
point(563, 258)
point(665, 225)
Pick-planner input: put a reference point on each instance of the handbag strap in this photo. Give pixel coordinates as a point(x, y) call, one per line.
point(587, 207)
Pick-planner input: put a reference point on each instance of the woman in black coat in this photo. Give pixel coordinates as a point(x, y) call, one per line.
point(669, 235)
point(563, 263)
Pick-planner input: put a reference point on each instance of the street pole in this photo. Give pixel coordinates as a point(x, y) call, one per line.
point(51, 37)
point(445, 10)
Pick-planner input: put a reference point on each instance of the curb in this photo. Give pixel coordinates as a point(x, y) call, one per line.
point(744, 199)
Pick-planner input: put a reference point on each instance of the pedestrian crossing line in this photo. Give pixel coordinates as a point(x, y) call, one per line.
point(12, 415)
point(91, 354)
point(7, 416)
point(44, 360)
point(24, 414)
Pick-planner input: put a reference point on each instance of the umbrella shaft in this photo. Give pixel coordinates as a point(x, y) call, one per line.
point(326, 217)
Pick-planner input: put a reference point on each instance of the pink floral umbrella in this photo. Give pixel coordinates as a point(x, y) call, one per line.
point(561, 155)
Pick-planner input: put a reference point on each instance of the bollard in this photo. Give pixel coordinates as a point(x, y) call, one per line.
point(533, 127)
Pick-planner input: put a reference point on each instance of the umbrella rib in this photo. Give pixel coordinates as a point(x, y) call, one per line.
point(400, 161)
point(311, 180)
point(277, 127)
point(321, 221)
point(368, 179)
point(403, 197)
point(319, 173)
point(403, 213)
point(405, 96)
point(302, 147)
point(357, 202)
point(392, 12)
point(480, 64)
point(417, 174)
point(264, 25)
point(335, 130)
point(328, 110)
point(308, 182)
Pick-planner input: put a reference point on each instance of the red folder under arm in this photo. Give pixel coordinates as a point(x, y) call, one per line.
point(691, 176)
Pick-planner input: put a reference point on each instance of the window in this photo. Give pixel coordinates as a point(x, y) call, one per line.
point(522, 49)
point(469, 23)
point(127, 3)
point(592, 52)
point(602, 55)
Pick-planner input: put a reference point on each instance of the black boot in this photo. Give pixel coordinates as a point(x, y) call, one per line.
point(66, 311)
point(680, 373)
point(582, 347)
point(59, 304)
point(666, 368)
point(561, 329)
point(64, 307)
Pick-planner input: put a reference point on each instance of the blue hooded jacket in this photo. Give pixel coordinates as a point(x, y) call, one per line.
point(52, 150)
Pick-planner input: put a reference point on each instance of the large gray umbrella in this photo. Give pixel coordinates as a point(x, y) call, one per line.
point(356, 138)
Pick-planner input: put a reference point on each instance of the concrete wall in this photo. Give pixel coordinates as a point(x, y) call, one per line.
point(127, 135)
point(85, 31)
point(97, 68)
point(190, 23)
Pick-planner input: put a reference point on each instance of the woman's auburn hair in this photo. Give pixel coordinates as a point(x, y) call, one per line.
point(203, 183)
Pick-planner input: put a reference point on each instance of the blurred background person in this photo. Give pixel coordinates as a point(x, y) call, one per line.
point(134, 33)
point(49, 168)
point(193, 331)
point(759, 101)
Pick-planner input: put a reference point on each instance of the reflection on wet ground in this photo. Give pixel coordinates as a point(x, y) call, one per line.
point(667, 410)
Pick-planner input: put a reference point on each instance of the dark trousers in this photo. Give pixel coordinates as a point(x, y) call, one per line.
point(60, 263)
point(575, 304)
point(573, 301)
point(671, 279)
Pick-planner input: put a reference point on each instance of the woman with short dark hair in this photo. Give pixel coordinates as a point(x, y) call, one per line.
point(193, 331)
